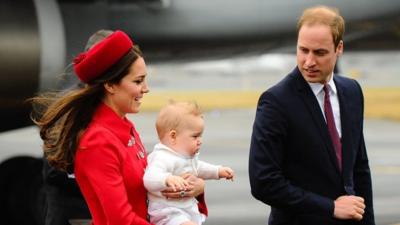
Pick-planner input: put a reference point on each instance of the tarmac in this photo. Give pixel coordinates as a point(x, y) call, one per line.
point(226, 142)
point(237, 82)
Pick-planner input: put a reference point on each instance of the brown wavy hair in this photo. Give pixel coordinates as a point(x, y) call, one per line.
point(63, 116)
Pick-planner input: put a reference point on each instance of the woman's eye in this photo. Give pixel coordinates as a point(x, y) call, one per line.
point(138, 81)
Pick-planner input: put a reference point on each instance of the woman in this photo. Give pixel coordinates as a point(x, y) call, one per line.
point(88, 128)
point(64, 203)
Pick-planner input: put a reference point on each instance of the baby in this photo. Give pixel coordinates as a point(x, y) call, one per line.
point(179, 126)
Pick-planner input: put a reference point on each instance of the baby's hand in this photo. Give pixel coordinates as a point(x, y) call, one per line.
point(226, 172)
point(177, 183)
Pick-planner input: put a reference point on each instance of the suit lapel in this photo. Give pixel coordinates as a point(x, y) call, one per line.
point(311, 102)
point(347, 153)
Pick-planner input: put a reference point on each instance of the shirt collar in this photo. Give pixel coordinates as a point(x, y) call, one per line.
point(317, 87)
point(163, 147)
point(120, 127)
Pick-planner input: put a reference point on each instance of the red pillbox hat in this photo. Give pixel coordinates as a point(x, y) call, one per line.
point(88, 65)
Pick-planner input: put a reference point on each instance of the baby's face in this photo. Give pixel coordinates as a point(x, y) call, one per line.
point(188, 137)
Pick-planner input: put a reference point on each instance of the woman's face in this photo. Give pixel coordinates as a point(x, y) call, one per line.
point(126, 96)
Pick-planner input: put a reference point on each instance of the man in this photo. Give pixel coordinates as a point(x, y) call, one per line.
point(308, 159)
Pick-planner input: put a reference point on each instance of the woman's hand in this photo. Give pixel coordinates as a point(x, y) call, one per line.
point(194, 189)
point(177, 183)
point(198, 185)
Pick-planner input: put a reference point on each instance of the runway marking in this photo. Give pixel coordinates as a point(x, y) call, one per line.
point(207, 100)
point(380, 103)
point(386, 170)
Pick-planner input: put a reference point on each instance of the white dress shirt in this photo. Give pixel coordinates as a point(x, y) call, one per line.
point(318, 91)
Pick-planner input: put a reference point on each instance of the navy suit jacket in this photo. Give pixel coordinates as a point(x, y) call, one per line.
point(292, 163)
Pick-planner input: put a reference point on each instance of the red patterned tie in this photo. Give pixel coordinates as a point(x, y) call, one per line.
point(330, 121)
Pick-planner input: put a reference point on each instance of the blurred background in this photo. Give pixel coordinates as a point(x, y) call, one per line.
point(221, 53)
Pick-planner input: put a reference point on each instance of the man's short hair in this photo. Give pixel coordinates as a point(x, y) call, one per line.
point(326, 15)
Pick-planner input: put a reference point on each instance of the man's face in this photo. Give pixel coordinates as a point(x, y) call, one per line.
point(316, 53)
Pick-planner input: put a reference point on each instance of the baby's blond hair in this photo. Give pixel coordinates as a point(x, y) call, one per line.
point(172, 115)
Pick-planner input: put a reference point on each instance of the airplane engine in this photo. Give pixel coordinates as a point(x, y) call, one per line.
point(39, 38)
point(31, 52)
point(20, 60)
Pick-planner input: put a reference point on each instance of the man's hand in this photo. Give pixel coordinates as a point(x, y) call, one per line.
point(349, 207)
